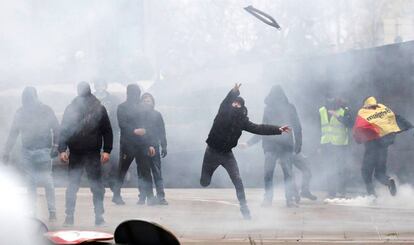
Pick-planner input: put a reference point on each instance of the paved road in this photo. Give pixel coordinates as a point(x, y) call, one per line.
point(207, 216)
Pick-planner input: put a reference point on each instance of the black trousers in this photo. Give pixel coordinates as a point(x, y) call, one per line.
point(335, 161)
point(110, 170)
point(212, 160)
point(157, 174)
point(91, 162)
point(300, 163)
point(375, 162)
point(269, 168)
point(143, 162)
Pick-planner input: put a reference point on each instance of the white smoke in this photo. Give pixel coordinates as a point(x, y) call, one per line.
point(403, 199)
point(16, 225)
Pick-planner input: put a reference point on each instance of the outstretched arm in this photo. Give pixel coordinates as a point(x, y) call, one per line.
point(264, 129)
point(256, 138)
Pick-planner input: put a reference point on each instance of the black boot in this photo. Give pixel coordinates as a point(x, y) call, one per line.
point(99, 221)
point(69, 221)
point(392, 187)
point(307, 194)
point(162, 201)
point(117, 199)
point(291, 204)
point(245, 212)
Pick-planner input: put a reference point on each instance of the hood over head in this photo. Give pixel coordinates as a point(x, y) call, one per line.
point(84, 89)
point(133, 93)
point(29, 96)
point(370, 102)
point(276, 96)
point(148, 95)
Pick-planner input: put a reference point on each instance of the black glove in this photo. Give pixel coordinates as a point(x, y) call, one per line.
point(164, 152)
point(54, 152)
point(298, 149)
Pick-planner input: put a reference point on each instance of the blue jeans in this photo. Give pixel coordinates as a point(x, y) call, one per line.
point(269, 168)
point(37, 166)
point(91, 163)
point(157, 174)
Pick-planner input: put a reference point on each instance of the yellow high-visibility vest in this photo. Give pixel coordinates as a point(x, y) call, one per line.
point(333, 131)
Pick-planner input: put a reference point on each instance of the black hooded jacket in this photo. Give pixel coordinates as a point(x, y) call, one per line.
point(35, 122)
point(278, 110)
point(85, 124)
point(229, 124)
point(132, 115)
point(156, 122)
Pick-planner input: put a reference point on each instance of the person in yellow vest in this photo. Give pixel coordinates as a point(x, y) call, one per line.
point(376, 126)
point(335, 121)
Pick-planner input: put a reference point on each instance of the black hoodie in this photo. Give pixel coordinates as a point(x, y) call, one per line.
point(157, 124)
point(35, 122)
point(132, 115)
point(229, 124)
point(85, 124)
point(278, 110)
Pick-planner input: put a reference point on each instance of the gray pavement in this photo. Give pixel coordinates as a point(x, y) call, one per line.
point(211, 216)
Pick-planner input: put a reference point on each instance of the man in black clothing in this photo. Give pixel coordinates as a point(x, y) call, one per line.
point(38, 126)
point(110, 102)
point(135, 144)
point(160, 139)
point(85, 125)
point(227, 128)
point(279, 109)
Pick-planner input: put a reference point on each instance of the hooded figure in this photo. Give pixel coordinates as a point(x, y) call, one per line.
point(227, 128)
point(84, 123)
point(38, 127)
point(376, 126)
point(85, 131)
point(159, 138)
point(136, 143)
point(279, 110)
point(34, 120)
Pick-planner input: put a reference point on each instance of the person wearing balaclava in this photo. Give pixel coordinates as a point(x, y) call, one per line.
point(284, 148)
point(85, 143)
point(227, 128)
point(335, 123)
point(376, 126)
point(39, 128)
point(135, 144)
point(111, 103)
point(159, 139)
